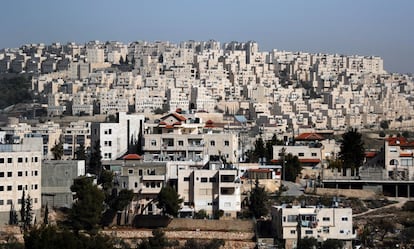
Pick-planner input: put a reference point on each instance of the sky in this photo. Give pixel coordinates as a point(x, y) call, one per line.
point(382, 28)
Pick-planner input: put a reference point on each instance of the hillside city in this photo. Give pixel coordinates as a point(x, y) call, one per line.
point(275, 147)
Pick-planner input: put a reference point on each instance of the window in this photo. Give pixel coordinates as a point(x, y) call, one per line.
point(213, 143)
point(292, 231)
point(36, 172)
point(20, 159)
point(1, 174)
point(180, 143)
point(140, 172)
point(19, 187)
point(226, 143)
point(186, 179)
point(9, 160)
point(326, 219)
point(108, 143)
point(1, 202)
point(35, 200)
point(292, 218)
point(308, 232)
point(9, 188)
point(406, 162)
point(9, 202)
point(1, 188)
point(9, 174)
point(301, 154)
point(19, 173)
point(341, 231)
point(35, 186)
point(344, 218)
point(325, 229)
point(136, 185)
point(153, 143)
point(313, 154)
point(213, 179)
point(203, 179)
point(1, 160)
point(130, 171)
point(36, 159)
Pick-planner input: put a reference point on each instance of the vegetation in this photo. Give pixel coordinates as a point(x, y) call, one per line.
point(57, 151)
point(258, 201)
point(292, 167)
point(307, 243)
point(169, 201)
point(14, 91)
point(199, 244)
point(95, 161)
point(87, 210)
point(80, 153)
point(352, 152)
point(50, 237)
point(157, 241)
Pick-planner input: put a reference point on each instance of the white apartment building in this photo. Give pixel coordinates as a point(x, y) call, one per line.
point(177, 138)
point(148, 100)
point(210, 190)
point(20, 170)
point(76, 134)
point(115, 138)
point(398, 159)
point(112, 102)
point(82, 103)
point(295, 222)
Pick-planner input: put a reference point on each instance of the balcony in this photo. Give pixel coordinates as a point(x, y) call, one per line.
point(153, 178)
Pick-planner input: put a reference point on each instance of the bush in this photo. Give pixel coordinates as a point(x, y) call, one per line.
point(408, 206)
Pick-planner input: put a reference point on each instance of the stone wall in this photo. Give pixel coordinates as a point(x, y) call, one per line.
point(356, 193)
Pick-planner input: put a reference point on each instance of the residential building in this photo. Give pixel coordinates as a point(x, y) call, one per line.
point(293, 223)
point(20, 172)
point(57, 178)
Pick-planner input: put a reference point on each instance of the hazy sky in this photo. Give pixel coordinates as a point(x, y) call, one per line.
point(365, 27)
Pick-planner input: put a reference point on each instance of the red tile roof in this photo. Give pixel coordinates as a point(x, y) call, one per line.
point(309, 160)
point(308, 136)
point(370, 154)
point(132, 157)
point(399, 141)
point(406, 154)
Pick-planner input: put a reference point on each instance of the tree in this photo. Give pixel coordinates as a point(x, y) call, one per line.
point(307, 243)
point(28, 213)
point(51, 237)
point(13, 220)
point(121, 60)
point(352, 151)
point(384, 124)
point(292, 167)
point(46, 215)
point(95, 161)
point(198, 244)
point(23, 207)
point(14, 90)
point(157, 241)
point(258, 201)
point(332, 244)
point(57, 151)
point(80, 153)
point(169, 201)
point(201, 214)
point(259, 149)
point(87, 210)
